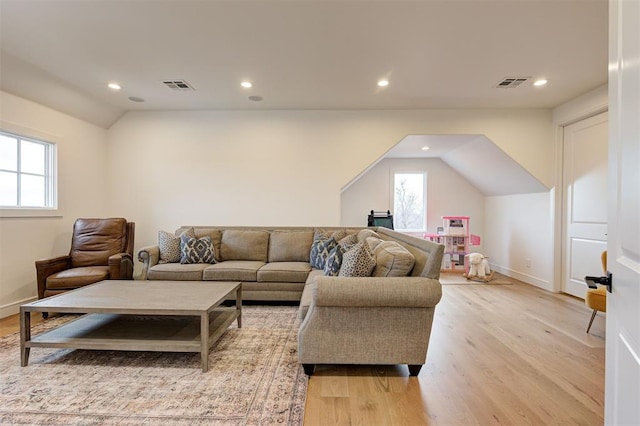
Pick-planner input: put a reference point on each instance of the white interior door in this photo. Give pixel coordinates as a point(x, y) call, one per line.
point(622, 377)
point(585, 209)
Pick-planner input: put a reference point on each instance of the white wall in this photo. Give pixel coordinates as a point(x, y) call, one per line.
point(519, 237)
point(166, 169)
point(448, 194)
point(82, 182)
point(280, 167)
point(528, 226)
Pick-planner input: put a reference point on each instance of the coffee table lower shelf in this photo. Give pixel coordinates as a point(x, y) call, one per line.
point(137, 333)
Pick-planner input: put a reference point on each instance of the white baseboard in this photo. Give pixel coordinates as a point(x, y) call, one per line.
point(529, 279)
point(14, 308)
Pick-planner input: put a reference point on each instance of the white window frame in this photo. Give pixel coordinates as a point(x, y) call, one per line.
point(396, 223)
point(50, 175)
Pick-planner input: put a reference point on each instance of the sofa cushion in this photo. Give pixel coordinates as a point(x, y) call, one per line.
point(77, 277)
point(320, 250)
point(334, 261)
point(196, 250)
point(286, 272)
point(358, 261)
point(290, 246)
point(216, 238)
point(233, 270)
point(313, 275)
point(177, 271)
point(244, 245)
point(169, 245)
point(392, 260)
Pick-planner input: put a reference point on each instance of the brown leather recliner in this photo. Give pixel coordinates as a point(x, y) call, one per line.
point(101, 249)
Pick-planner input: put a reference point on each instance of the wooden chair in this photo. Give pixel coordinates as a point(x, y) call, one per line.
point(596, 298)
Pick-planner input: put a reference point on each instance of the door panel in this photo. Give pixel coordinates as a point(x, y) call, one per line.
point(585, 208)
point(622, 381)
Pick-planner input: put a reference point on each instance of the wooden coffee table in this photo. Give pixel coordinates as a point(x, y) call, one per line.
point(165, 316)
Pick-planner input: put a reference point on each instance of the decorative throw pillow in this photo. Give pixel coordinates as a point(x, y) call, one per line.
point(339, 234)
point(196, 250)
point(348, 241)
point(320, 249)
point(366, 233)
point(358, 261)
point(373, 243)
point(392, 260)
point(334, 261)
point(169, 245)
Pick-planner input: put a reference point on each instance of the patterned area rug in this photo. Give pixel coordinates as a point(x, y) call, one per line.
point(253, 378)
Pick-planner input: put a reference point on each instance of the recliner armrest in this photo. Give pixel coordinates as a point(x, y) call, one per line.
point(149, 256)
point(47, 267)
point(120, 266)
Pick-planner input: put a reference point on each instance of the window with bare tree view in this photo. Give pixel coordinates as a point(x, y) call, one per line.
point(409, 201)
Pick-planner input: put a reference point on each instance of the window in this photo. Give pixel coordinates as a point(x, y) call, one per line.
point(27, 172)
point(409, 201)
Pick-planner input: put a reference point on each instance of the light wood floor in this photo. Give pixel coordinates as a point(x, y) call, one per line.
point(499, 354)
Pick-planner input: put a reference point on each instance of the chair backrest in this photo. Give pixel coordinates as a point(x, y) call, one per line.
point(380, 219)
point(603, 259)
point(94, 240)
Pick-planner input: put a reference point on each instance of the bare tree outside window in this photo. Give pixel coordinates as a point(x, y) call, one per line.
point(409, 201)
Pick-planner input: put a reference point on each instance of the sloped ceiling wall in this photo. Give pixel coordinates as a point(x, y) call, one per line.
point(490, 170)
point(474, 157)
point(27, 81)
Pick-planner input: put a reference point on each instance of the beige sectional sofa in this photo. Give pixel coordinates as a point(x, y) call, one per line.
point(379, 319)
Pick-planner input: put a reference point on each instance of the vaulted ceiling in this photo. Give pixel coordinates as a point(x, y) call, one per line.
point(299, 54)
point(308, 54)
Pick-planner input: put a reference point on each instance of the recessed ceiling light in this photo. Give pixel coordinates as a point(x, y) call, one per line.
point(383, 83)
point(136, 99)
point(425, 148)
point(246, 84)
point(540, 82)
point(114, 86)
point(255, 98)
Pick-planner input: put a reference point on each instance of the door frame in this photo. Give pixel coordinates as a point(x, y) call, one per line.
point(586, 106)
point(568, 284)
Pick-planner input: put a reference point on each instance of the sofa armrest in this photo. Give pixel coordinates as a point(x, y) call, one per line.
point(149, 256)
point(47, 267)
point(409, 292)
point(369, 320)
point(120, 266)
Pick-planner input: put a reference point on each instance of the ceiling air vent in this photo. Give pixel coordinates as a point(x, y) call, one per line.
point(511, 82)
point(178, 85)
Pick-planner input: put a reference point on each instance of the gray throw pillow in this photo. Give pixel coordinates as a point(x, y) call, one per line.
point(366, 233)
point(392, 260)
point(196, 250)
